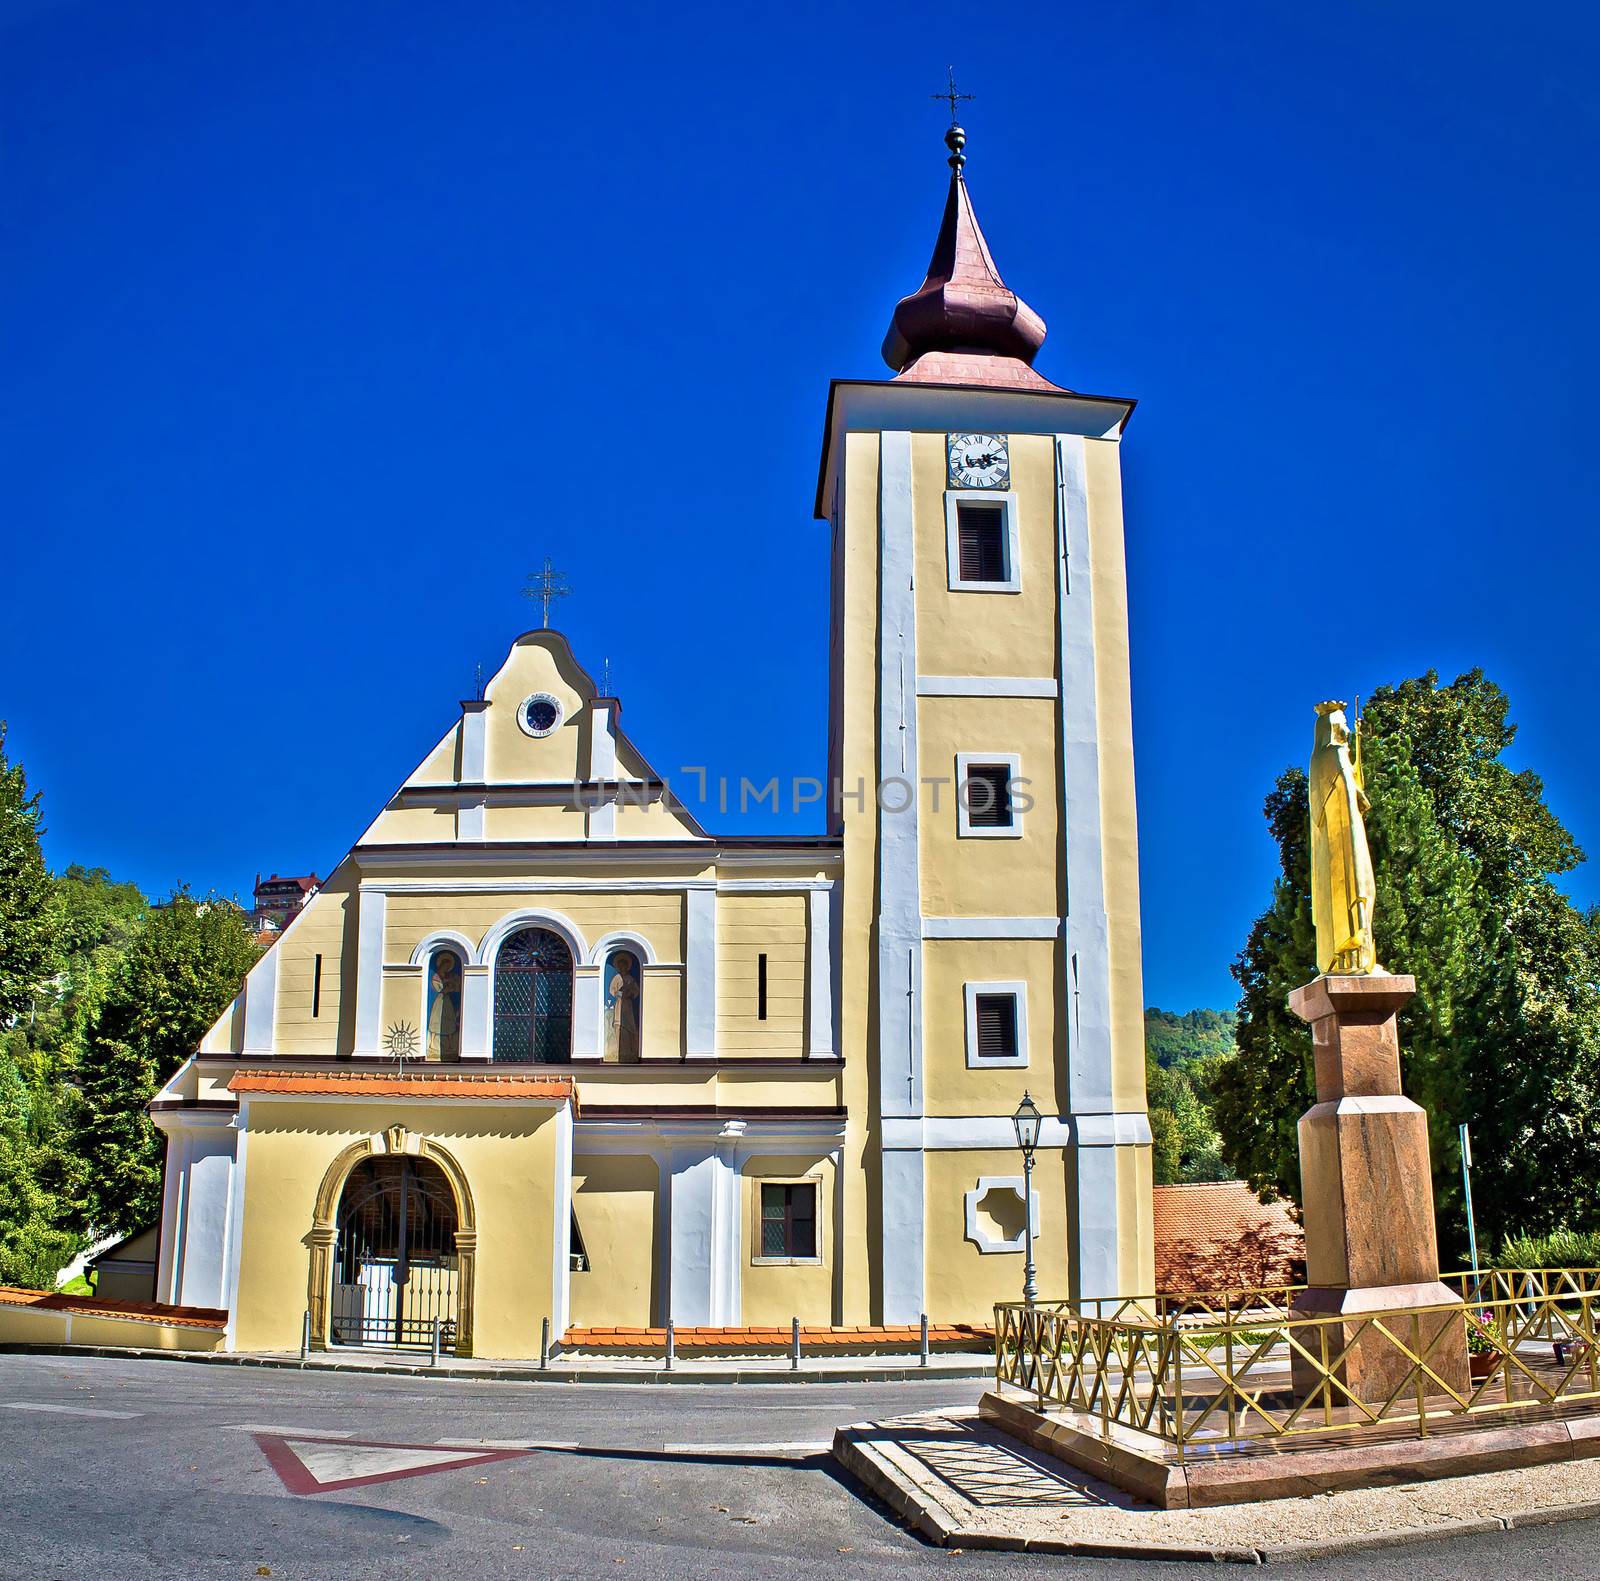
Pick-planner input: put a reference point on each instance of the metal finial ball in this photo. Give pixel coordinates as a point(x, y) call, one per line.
point(956, 140)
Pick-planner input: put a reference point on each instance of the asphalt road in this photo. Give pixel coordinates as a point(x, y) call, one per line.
point(135, 1469)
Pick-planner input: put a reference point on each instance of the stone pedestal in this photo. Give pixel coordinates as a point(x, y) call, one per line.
point(1368, 1192)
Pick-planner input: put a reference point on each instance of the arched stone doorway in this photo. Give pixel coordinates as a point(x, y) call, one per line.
point(393, 1248)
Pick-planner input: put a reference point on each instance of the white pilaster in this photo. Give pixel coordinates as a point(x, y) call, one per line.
point(561, 1238)
point(602, 742)
point(1086, 969)
point(174, 1178)
point(198, 1243)
point(474, 756)
point(904, 1186)
point(1085, 957)
point(588, 987)
point(819, 974)
point(726, 1240)
point(899, 960)
point(371, 911)
point(693, 1225)
point(477, 1013)
point(261, 1004)
point(1092, 1270)
point(700, 973)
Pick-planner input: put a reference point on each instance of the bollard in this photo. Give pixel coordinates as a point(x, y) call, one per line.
point(305, 1338)
point(794, 1345)
point(923, 1362)
point(672, 1345)
point(433, 1360)
point(544, 1345)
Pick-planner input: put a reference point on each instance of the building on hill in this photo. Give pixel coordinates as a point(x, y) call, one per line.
point(279, 900)
point(542, 1047)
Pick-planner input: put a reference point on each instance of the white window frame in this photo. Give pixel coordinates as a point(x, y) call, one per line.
point(1019, 992)
point(964, 825)
point(980, 1237)
point(756, 1183)
point(1007, 501)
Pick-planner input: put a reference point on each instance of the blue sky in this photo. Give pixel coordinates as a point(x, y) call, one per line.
point(324, 325)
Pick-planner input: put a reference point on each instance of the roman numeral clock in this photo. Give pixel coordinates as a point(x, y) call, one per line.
point(978, 461)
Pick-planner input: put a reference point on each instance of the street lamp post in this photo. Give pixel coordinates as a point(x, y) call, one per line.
point(1027, 1121)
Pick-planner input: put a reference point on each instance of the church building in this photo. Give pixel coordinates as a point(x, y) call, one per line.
point(541, 1047)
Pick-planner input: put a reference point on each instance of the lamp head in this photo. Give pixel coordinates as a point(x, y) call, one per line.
point(1027, 1121)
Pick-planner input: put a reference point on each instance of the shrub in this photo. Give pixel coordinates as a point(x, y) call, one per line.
point(1558, 1249)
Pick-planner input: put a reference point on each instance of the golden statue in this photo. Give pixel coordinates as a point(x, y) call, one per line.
point(1342, 887)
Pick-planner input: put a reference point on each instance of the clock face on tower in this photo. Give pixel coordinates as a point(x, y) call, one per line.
point(979, 461)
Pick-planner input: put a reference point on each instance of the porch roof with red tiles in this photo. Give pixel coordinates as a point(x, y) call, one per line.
point(497, 1085)
point(96, 1306)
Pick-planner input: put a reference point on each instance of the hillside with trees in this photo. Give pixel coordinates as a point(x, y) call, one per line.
point(1182, 1054)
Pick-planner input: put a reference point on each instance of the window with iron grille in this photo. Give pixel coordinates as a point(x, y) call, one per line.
point(996, 1016)
point(986, 794)
point(789, 1220)
point(981, 542)
point(533, 999)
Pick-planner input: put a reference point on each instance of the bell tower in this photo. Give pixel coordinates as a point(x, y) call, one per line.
point(981, 758)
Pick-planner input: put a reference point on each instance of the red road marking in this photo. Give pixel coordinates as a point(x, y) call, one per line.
point(297, 1477)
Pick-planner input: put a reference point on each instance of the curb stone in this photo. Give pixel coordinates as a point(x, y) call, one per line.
point(935, 1523)
point(529, 1374)
point(1556, 1512)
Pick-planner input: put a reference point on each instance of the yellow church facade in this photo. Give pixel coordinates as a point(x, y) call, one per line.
point(543, 1050)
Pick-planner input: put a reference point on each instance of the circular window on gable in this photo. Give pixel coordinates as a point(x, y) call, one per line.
point(539, 714)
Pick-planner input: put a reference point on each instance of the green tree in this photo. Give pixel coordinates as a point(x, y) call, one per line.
point(183, 968)
point(29, 921)
point(1505, 1029)
point(37, 1170)
point(99, 921)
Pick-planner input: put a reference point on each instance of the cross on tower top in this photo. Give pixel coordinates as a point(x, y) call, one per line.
point(546, 585)
point(951, 95)
point(955, 139)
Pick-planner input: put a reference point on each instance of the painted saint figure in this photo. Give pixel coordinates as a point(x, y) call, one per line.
point(1342, 887)
point(622, 1006)
point(444, 1006)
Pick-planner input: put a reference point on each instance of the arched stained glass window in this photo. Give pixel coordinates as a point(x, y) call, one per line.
point(533, 999)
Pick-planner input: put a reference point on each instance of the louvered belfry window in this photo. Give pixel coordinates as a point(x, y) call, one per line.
point(997, 1026)
point(986, 795)
point(981, 532)
point(533, 999)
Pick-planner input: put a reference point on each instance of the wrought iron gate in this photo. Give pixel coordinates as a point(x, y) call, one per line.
point(395, 1269)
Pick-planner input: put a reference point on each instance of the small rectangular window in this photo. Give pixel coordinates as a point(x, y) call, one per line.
point(981, 538)
point(789, 1220)
point(986, 796)
point(761, 987)
point(316, 986)
point(997, 1026)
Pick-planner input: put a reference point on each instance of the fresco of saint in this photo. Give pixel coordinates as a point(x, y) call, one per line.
point(622, 1006)
point(444, 1006)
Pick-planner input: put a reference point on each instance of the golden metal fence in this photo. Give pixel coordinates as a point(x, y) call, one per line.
point(1205, 1369)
